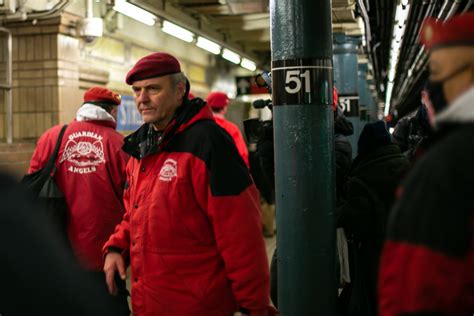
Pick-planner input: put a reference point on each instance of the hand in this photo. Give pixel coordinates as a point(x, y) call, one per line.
point(113, 263)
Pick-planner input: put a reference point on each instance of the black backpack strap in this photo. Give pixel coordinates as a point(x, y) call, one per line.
point(50, 167)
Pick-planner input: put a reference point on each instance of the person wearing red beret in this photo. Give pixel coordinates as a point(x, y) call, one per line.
point(192, 229)
point(427, 266)
point(219, 102)
point(90, 171)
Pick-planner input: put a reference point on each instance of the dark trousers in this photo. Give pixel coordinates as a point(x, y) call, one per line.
point(119, 301)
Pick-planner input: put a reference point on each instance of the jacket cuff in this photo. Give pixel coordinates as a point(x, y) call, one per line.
point(110, 249)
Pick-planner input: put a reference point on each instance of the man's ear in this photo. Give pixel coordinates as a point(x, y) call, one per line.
point(181, 89)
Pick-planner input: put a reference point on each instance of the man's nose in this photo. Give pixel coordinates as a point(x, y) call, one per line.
point(141, 96)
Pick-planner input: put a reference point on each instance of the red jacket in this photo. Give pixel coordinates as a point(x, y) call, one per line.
point(91, 174)
point(236, 135)
point(192, 226)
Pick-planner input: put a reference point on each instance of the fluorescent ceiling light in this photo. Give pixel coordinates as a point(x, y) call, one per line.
point(208, 45)
point(248, 64)
point(401, 14)
point(388, 97)
point(231, 56)
point(134, 12)
point(177, 31)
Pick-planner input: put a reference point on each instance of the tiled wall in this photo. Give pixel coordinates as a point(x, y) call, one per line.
point(45, 78)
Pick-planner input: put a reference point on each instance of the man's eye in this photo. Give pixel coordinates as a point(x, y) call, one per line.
point(136, 89)
point(153, 90)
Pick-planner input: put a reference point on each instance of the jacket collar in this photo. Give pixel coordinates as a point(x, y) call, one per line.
point(139, 144)
point(460, 111)
point(91, 112)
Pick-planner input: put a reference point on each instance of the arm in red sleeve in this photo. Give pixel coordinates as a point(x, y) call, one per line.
point(44, 149)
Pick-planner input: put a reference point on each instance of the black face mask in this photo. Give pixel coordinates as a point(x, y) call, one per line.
point(436, 92)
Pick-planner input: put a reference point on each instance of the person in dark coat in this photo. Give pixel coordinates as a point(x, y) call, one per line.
point(412, 132)
point(343, 150)
point(427, 267)
point(370, 192)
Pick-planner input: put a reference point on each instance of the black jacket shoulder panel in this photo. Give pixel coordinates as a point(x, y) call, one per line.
point(436, 207)
point(207, 141)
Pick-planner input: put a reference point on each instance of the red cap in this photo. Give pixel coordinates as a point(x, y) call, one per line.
point(153, 65)
point(103, 95)
point(456, 31)
point(217, 100)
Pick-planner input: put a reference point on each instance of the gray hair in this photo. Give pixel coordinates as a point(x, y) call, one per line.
point(177, 78)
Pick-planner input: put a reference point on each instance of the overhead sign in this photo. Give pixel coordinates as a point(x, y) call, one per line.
point(302, 81)
point(247, 85)
point(128, 117)
point(349, 105)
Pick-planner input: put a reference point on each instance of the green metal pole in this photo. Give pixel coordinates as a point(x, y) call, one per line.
point(304, 156)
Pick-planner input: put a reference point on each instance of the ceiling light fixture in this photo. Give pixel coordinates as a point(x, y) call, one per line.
point(134, 12)
point(177, 31)
point(401, 17)
point(248, 64)
point(208, 45)
point(386, 111)
point(231, 56)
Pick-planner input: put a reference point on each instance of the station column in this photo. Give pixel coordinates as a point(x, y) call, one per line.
point(302, 74)
point(346, 81)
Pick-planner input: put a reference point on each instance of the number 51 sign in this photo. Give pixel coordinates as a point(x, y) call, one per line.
point(302, 81)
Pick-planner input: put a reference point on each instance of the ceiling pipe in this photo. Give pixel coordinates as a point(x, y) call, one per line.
point(453, 9)
point(365, 17)
point(55, 11)
point(468, 5)
point(89, 12)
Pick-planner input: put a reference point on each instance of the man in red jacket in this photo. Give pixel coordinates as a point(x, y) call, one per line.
point(192, 229)
point(427, 267)
point(91, 174)
point(219, 101)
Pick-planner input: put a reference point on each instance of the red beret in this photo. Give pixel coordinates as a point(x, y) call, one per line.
point(154, 65)
point(217, 100)
point(103, 95)
point(456, 31)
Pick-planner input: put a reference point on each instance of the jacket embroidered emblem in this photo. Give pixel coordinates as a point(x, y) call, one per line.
point(84, 154)
point(169, 170)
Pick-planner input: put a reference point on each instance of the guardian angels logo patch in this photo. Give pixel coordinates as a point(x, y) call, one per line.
point(169, 170)
point(85, 151)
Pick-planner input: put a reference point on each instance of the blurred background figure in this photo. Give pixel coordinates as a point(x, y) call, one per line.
point(412, 132)
point(428, 259)
point(363, 213)
point(343, 149)
point(91, 174)
point(219, 101)
point(39, 276)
